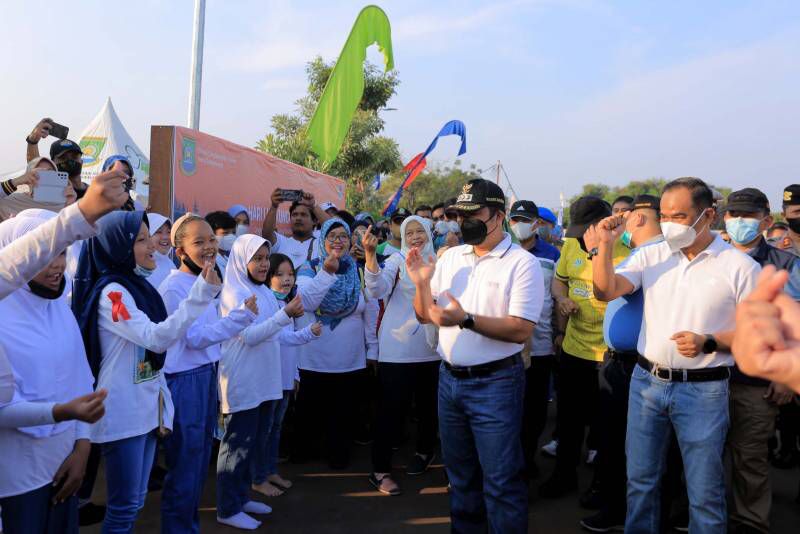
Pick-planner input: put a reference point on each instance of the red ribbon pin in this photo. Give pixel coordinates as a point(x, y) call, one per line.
point(118, 308)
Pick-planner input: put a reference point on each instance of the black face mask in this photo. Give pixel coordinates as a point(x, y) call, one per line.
point(71, 167)
point(196, 269)
point(474, 231)
point(45, 292)
point(794, 224)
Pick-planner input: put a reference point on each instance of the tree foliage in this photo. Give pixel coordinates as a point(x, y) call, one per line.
point(364, 152)
point(650, 186)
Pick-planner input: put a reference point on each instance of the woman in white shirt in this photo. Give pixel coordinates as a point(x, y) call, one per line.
point(41, 465)
point(408, 365)
point(249, 380)
point(160, 228)
point(190, 370)
point(332, 366)
point(126, 331)
point(281, 279)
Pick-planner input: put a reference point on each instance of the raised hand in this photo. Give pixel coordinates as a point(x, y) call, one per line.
point(41, 130)
point(276, 198)
point(295, 307)
point(451, 315)
point(419, 271)
point(767, 338)
point(251, 303)
point(316, 329)
point(210, 275)
point(608, 230)
point(30, 178)
point(87, 408)
point(331, 263)
point(105, 194)
point(369, 241)
point(308, 199)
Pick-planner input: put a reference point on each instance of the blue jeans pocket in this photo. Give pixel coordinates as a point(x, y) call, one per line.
point(713, 389)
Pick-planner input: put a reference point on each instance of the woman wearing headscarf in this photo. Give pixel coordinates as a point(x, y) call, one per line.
point(408, 365)
point(330, 366)
point(42, 461)
point(126, 331)
point(249, 380)
point(190, 370)
point(242, 218)
point(24, 200)
point(160, 228)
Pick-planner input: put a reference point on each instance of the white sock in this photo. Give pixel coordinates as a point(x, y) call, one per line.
point(255, 507)
point(240, 520)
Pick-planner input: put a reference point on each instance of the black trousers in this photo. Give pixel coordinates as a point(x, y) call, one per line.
point(537, 393)
point(401, 384)
point(614, 387)
point(327, 403)
point(577, 408)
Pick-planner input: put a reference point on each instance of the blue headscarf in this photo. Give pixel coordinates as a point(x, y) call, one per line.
point(236, 209)
point(106, 258)
point(341, 299)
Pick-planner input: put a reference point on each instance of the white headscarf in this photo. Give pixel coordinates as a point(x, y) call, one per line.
point(164, 264)
point(237, 285)
point(404, 283)
point(156, 221)
point(42, 342)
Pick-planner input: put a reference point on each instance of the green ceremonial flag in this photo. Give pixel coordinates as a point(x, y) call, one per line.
point(331, 120)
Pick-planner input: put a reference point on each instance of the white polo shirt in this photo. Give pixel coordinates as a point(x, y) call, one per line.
point(298, 251)
point(698, 296)
point(506, 281)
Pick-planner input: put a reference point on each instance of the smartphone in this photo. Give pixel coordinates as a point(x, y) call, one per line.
point(291, 195)
point(58, 130)
point(51, 187)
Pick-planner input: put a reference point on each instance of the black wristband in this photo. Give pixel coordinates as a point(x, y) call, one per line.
point(28, 140)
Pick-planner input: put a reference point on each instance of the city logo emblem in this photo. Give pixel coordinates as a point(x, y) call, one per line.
point(91, 148)
point(188, 156)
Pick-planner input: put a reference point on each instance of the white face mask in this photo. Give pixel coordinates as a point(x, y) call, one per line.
point(523, 230)
point(679, 236)
point(226, 242)
point(242, 229)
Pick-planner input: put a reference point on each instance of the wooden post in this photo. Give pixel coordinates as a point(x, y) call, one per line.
point(162, 146)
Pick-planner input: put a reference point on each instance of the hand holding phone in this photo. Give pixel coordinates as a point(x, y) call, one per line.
point(58, 130)
point(291, 195)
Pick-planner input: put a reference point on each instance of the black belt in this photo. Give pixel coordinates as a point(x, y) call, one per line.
point(625, 357)
point(484, 369)
point(684, 375)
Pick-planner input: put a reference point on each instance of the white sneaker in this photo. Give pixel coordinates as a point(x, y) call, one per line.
point(591, 455)
point(551, 448)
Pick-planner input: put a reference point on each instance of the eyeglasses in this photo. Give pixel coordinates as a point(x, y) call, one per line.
point(341, 238)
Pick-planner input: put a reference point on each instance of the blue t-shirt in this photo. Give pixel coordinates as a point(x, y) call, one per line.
point(543, 249)
point(623, 320)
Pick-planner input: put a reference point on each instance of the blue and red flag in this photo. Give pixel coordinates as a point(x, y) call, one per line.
point(414, 167)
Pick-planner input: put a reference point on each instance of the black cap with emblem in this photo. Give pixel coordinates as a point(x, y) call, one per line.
point(791, 195)
point(648, 202)
point(479, 193)
point(524, 209)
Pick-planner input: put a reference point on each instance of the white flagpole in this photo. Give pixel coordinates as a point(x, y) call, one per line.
point(197, 64)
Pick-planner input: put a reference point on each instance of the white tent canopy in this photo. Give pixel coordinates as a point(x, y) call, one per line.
point(103, 137)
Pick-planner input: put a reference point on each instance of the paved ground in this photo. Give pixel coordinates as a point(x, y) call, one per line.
point(344, 502)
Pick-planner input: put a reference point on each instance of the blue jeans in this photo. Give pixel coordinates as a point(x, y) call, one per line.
point(698, 412)
point(244, 432)
point(188, 447)
point(480, 421)
point(33, 513)
point(260, 464)
point(128, 463)
point(274, 441)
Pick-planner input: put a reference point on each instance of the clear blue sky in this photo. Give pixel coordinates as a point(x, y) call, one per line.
point(563, 92)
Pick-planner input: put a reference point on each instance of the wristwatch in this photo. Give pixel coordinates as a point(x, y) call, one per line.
point(468, 322)
point(594, 252)
point(710, 345)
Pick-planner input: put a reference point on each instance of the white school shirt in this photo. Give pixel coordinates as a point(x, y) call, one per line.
point(699, 296)
point(164, 266)
point(201, 343)
point(506, 281)
point(298, 251)
point(54, 374)
point(291, 339)
point(132, 405)
point(401, 339)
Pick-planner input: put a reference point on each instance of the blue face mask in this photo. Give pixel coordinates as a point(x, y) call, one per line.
point(279, 295)
point(626, 238)
point(742, 230)
point(142, 271)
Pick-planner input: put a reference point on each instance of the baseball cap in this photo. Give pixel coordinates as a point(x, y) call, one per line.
point(548, 215)
point(791, 195)
point(401, 214)
point(63, 146)
point(748, 199)
point(524, 208)
point(325, 206)
point(479, 193)
point(649, 202)
point(584, 212)
point(111, 160)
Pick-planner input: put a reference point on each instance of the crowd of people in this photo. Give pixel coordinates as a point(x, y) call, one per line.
point(128, 333)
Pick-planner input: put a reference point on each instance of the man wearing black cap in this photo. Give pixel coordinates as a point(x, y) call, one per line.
point(524, 220)
point(485, 297)
point(581, 328)
point(621, 327)
point(754, 402)
point(67, 156)
point(791, 211)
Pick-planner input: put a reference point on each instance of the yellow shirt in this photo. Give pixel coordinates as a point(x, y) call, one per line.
point(584, 336)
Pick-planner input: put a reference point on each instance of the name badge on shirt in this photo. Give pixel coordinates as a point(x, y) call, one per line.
point(143, 371)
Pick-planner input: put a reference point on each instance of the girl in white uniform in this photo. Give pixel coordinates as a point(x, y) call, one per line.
point(126, 331)
point(160, 228)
